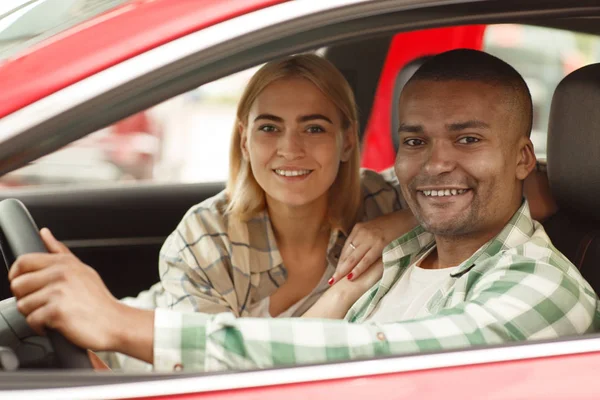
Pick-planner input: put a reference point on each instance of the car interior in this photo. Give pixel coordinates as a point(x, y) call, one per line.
point(119, 229)
point(573, 152)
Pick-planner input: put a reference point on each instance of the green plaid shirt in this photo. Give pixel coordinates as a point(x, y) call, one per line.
point(516, 287)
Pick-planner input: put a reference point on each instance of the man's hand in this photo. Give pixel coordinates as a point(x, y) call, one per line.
point(58, 291)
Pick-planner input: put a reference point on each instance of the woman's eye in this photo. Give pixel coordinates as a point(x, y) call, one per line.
point(414, 142)
point(315, 129)
point(267, 128)
point(468, 140)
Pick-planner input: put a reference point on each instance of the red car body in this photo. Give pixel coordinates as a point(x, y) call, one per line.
point(140, 25)
point(53, 65)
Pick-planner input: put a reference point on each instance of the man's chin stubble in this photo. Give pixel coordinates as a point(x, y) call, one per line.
point(450, 229)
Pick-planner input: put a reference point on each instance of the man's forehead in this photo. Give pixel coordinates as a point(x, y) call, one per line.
point(429, 88)
point(453, 96)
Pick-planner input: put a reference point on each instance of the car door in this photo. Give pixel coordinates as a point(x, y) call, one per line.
point(117, 230)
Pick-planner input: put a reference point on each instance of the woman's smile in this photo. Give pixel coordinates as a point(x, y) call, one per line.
point(292, 173)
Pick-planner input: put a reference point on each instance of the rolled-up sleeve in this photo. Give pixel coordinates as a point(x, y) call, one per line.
point(198, 342)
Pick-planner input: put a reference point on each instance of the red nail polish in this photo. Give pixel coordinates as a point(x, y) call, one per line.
point(350, 275)
point(330, 281)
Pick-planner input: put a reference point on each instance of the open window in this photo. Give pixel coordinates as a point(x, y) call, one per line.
point(120, 227)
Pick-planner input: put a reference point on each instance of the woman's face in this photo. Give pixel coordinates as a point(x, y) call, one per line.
point(295, 142)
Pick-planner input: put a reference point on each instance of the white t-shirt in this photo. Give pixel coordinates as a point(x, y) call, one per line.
point(411, 293)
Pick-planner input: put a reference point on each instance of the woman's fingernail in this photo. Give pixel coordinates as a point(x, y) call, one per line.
point(350, 275)
point(330, 281)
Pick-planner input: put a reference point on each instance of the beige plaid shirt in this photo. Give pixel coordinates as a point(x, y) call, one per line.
point(212, 263)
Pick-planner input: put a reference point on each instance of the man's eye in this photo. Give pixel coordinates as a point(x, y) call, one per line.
point(267, 128)
point(315, 129)
point(414, 142)
point(468, 140)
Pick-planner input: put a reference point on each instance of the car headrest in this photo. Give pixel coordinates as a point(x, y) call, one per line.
point(574, 143)
point(401, 80)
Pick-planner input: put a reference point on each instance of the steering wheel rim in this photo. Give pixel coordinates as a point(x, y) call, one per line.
point(20, 235)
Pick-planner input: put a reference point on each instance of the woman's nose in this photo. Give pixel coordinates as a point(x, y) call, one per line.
point(291, 146)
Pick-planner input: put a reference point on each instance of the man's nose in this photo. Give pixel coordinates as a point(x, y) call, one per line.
point(291, 146)
point(441, 158)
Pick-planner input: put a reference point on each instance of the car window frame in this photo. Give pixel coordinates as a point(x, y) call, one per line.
point(91, 385)
point(224, 58)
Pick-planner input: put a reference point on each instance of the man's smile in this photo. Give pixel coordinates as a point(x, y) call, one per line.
point(442, 192)
point(431, 198)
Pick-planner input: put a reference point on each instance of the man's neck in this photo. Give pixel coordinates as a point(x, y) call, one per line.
point(452, 251)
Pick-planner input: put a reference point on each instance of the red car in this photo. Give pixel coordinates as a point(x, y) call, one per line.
point(115, 59)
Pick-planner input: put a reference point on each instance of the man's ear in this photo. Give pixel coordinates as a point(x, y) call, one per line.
point(348, 143)
point(526, 159)
point(243, 141)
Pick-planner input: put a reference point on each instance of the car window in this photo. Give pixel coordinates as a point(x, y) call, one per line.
point(185, 139)
point(24, 23)
point(543, 56)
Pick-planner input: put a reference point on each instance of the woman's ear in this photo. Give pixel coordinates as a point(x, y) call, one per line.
point(526, 159)
point(243, 141)
point(349, 142)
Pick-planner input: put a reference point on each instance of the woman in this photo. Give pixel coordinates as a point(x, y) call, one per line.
point(270, 243)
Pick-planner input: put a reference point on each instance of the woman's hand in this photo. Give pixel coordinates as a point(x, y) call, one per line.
point(336, 301)
point(367, 240)
point(58, 291)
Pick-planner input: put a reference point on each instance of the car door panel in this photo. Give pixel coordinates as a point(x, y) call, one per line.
point(118, 230)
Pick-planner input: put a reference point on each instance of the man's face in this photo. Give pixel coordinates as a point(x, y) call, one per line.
point(461, 158)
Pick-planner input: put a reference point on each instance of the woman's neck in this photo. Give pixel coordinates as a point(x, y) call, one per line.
point(302, 228)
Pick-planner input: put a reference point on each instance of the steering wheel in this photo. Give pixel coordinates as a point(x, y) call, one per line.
point(19, 235)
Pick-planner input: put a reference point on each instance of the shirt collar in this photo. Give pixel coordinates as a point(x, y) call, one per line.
point(517, 231)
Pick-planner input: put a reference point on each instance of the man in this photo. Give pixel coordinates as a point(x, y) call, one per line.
point(477, 271)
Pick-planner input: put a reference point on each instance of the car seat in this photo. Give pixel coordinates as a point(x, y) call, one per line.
point(574, 170)
point(401, 79)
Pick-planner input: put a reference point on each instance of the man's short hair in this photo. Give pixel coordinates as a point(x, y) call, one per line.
point(474, 65)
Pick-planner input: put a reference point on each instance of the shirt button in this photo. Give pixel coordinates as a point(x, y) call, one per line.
point(178, 367)
point(381, 336)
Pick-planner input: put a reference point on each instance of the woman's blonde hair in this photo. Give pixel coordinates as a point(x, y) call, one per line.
point(246, 197)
